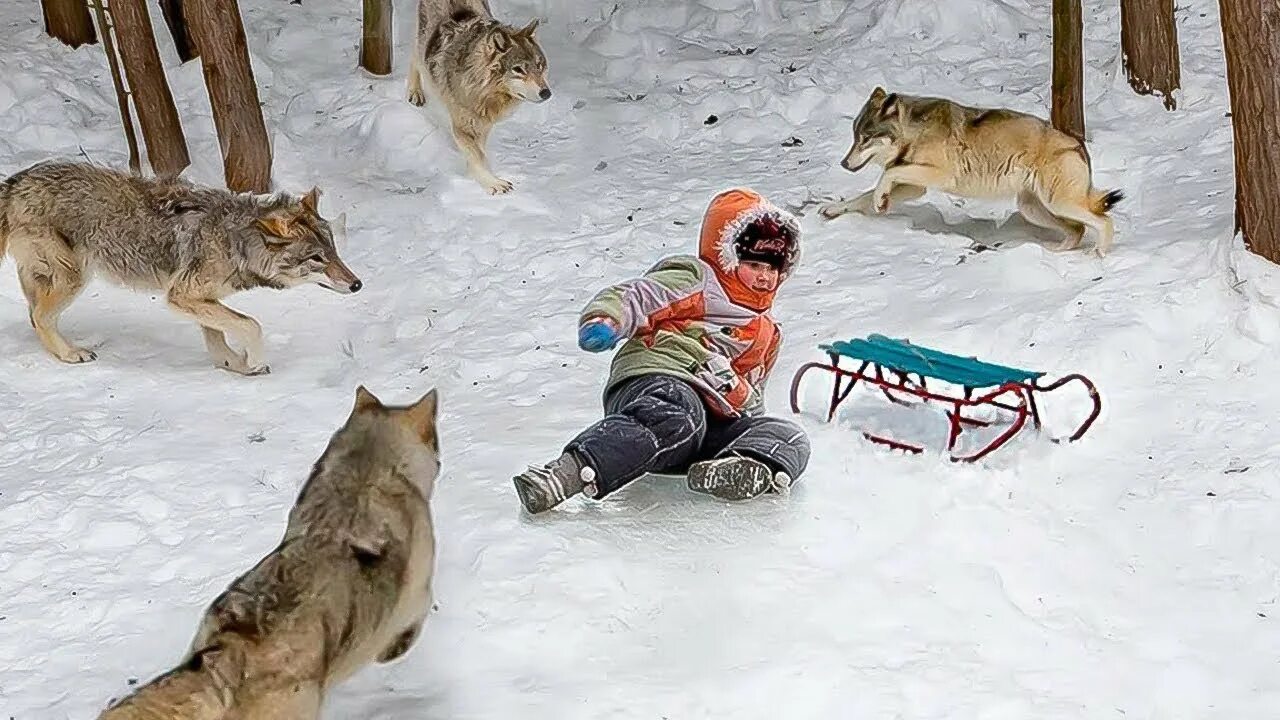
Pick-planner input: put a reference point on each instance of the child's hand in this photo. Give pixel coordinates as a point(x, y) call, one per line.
point(598, 335)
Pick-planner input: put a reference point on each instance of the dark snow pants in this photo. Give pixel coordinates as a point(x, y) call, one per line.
point(660, 424)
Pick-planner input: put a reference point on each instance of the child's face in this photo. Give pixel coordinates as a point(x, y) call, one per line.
point(761, 277)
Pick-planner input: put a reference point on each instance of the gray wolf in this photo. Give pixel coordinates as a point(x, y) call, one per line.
point(64, 221)
point(480, 69)
point(349, 584)
point(685, 391)
point(929, 142)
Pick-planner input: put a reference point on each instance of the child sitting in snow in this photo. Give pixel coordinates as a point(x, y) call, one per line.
point(685, 393)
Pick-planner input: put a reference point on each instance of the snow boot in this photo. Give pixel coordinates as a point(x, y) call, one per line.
point(542, 488)
point(735, 478)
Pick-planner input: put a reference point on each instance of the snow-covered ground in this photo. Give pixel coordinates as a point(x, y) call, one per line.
point(1132, 575)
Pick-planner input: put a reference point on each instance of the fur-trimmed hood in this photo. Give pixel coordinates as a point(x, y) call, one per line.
point(727, 216)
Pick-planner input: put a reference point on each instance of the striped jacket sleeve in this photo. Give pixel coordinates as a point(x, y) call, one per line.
point(669, 290)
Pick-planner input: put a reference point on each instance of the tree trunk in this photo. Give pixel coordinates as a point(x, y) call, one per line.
point(237, 114)
point(177, 22)
point(122, 97)
point(1251, 37)
point(161, 129)
point(1068, 69)
point(69, 21)
point(1149, 38)
point(375, 42)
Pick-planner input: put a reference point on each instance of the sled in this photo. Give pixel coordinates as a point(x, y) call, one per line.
point(888, 365)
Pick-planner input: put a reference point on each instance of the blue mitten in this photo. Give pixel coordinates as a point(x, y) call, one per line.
point(598, 336)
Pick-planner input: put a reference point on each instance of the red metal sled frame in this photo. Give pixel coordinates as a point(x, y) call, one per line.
point(1017, 397)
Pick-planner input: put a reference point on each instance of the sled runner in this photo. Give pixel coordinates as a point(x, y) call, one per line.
point(889, 365)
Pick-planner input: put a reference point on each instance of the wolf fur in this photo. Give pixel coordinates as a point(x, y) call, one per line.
point(64, 221)
point(349, 584)
point(928, 142)
point(480, 69)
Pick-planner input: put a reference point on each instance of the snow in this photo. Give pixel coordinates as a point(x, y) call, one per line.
point(1131, 575)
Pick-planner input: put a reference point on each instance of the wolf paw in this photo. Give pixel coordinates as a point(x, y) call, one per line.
point(880, 203)
point(498, 186)
point(417, 97)
point(832, 211)
point(241, 366)
point(76, 356)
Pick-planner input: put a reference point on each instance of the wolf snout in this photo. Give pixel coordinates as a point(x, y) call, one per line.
point(848, 164)
point(544, 94)
point(341, 279)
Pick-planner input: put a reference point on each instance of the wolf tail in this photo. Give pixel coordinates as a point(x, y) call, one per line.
point(203, 688)
point(1101, 202)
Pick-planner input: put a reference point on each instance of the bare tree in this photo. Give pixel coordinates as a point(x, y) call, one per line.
point(152, 100)
point(69, 21)
point(1149, 38)
point(1253, 54)
point(224, 57)
point(122, 97)
point(1067, 113)
point(375, 41)
point(177, 22)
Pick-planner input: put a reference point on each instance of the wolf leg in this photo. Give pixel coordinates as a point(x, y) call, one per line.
point(417, 95)
point(1034, 212)
point(920, 176)
point(48, 294)
point(1075, 212)
point(215, 341)
point(471, 140)
point(862, 203)
point(215, 316)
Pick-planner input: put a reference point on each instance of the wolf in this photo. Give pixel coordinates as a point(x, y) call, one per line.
point(928, 142)
point(349, 584)
point(65, 221)
point(480, 69)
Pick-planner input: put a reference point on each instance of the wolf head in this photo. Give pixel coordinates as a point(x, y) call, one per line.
point(518, 60)
point(401, 438)
point(876, 131)
point(299, 245)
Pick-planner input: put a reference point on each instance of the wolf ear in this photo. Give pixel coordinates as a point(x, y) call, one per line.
point(339, 226)
point(277, 226)
point(527, 30)
point(421, 416)
point(499, 41)
point(878, 94)
point(365, 401)
point(891, 106)
point(311, 201)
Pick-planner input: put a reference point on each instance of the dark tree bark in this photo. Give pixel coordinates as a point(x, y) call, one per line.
point(152, 100)
point(69, 21)
point(224, 57)
point(177, 22)
point(1251, 36)
point(122, 97)
point(1149, 38)
point(375, 41)
point(1067, 112)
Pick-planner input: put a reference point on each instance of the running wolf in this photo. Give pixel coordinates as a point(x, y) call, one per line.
point(480, 69)
point(929, 142)
point(349, 583)
point(64, 221)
